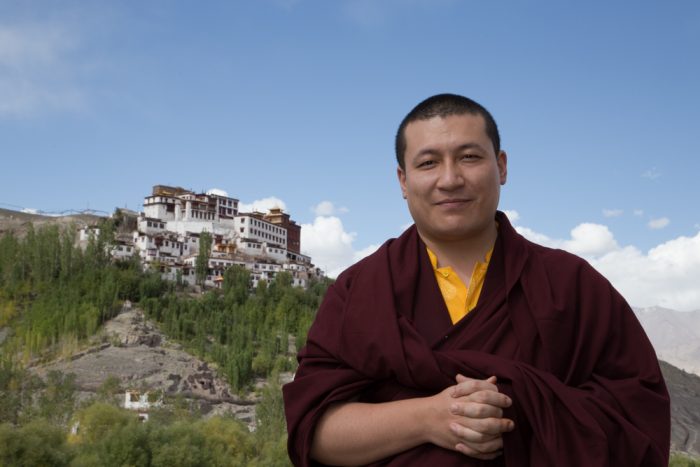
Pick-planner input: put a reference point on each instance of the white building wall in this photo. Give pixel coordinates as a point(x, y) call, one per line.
point(247, 226)
point(151, 226)
point(85, 233)
point(122, 251)
point(275, 253)
point(156, 207)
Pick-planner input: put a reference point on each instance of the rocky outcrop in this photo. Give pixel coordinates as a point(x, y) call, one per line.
point(142, 358)
point(684, 389)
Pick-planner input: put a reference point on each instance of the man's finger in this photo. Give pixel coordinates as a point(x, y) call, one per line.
point(476, 410)
point(470, 385)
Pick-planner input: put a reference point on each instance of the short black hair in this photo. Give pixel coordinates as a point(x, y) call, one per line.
point(444, 105)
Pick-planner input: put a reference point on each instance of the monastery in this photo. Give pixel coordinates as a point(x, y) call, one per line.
point(166, 237)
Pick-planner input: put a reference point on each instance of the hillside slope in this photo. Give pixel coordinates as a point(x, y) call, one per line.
point(133, 350)
point(684, 389)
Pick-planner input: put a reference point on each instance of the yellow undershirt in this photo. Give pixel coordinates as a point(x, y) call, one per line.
point(459, 299)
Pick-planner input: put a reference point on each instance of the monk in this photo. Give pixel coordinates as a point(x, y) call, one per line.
point(463, 343)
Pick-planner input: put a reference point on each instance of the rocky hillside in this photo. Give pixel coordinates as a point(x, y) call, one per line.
point(685, 409)
point(134, 351)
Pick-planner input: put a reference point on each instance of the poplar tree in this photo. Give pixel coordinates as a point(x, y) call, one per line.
point(202, 261)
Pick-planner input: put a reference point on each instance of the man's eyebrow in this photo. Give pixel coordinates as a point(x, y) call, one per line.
point(462, 147)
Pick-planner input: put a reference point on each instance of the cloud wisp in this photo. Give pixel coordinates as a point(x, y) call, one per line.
point(262, 205)
point(36, 73)
point(660, 223)
point(612, 212)
point(651, 174)
point(327, 208)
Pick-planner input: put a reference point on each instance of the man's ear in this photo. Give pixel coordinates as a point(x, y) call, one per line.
point(502, 161)
point(401, 174)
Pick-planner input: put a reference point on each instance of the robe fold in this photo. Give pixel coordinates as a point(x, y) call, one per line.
point(565, 346)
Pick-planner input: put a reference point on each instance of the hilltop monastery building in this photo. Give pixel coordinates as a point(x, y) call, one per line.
point(166, 236)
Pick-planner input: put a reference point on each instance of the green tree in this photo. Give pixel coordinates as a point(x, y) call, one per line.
point(109, 389)
point(682, 460)
point(181, 444)
point(201, 265)
point(228, 441)
point(57, 400)
point(36, 443)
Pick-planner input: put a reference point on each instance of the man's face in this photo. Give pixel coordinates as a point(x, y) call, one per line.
point(452, 180)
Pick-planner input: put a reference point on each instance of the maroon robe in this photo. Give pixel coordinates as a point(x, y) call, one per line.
point(564, 345)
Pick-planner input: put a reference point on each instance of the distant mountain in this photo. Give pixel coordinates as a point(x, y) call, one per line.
point(17, 222)
point(675, 335)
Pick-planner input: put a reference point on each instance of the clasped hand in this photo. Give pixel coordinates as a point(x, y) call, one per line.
point(470, 418)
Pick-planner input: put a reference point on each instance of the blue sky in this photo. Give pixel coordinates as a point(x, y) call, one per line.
point(298, 100)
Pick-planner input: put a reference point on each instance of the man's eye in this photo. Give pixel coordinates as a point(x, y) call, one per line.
point(470, 156)
point(425, 164)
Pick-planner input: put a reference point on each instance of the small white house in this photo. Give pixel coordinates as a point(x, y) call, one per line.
point(141, 402)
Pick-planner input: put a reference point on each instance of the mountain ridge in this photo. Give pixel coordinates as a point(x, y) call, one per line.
point(675, 335)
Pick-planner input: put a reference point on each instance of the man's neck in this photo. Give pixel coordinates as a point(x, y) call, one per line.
point(462, 254)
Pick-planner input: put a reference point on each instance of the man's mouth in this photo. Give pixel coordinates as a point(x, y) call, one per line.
point(452, 201)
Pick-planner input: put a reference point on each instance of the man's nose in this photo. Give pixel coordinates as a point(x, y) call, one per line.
point(450, 177)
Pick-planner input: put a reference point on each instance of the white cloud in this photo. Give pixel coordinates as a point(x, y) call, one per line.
point(512, 215)
point(638, 212)
point(330, 246)
point(665, 276)
point(262, 205)
point(590, 240)
point(659, 223)
point(218, 192)
point(326, 208)
point(36, 75)
point(651, 174)
point(612, 212)
point(537, 237)
point(587, 239)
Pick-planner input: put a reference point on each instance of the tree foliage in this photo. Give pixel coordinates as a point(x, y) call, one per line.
point(201, 264)
point(245, 334)
point(54, 295)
